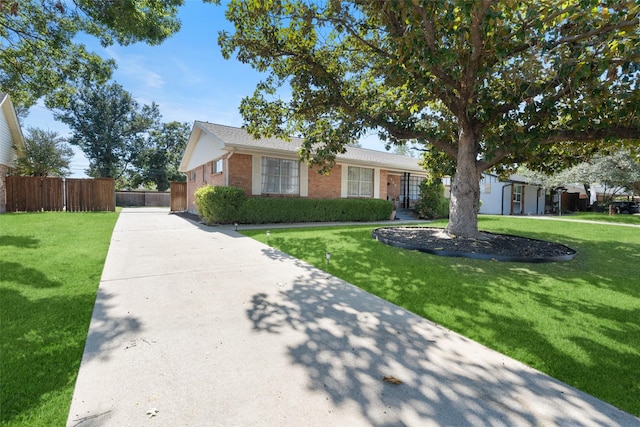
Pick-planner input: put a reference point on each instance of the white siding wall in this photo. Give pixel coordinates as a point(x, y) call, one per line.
point(532, 201)
point(207, 149)
point(491, 197)
point(493, 202)
point(7, 153)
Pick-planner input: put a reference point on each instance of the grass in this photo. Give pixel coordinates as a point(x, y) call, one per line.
point(599, 216)
point(578, 321)
point(50, 266)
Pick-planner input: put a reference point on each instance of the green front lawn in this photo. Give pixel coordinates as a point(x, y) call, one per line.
point(599, 216)
point(578, 321)
point(50, 268)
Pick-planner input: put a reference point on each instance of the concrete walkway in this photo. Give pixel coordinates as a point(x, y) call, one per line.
point(200, 326)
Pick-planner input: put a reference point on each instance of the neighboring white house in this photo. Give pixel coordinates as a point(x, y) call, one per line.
point(10, 136)
point(514, 196)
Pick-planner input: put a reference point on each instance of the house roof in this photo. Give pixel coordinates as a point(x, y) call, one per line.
point(514, 178)
point(238, 139)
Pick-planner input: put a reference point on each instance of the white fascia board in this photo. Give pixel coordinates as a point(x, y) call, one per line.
point(202, 148)
point(265, 152)
point(12, 121)
point(379, 166)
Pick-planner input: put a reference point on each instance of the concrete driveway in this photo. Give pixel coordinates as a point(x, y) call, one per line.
point(200, 326)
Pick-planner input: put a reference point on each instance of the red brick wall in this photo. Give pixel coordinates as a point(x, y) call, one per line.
point(203, 177)
point(320, 186)
point(325, 186)
point(240, 170)
point(193, 185)
point(215, 179)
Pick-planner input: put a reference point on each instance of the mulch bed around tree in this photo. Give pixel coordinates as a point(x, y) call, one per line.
point(497, 247)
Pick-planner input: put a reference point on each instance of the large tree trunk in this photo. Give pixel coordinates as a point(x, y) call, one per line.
point(465, 190)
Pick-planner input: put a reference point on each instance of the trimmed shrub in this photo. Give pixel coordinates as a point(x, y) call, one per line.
point(224, 205)
point(276, 210)
point(219, 204)
point(432, 203)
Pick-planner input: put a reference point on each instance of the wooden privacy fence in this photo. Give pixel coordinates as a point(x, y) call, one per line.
point(143, 198)
point(97, 194)
point(178, 196)
point(33, 194)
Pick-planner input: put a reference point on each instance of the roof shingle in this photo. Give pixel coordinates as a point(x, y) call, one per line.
point(240, 138)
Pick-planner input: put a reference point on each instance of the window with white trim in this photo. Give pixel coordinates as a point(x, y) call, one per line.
point(517, 193)
point(360, 182)
point(216, 167)
point(280, 176)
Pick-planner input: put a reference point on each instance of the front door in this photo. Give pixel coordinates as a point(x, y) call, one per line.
point(516, 203)
point(409, 189)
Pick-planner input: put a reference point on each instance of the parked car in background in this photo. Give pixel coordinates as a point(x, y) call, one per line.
point(626, 207)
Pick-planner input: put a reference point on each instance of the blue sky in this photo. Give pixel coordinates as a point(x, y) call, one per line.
point(186, 76)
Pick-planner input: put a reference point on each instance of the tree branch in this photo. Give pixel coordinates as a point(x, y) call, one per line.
point(429, 37)
point(620, 132)
point(477, 44)
point(597, 31)
point(565, 40)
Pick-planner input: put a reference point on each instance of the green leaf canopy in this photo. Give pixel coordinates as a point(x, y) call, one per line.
point(109, 126)
point(40, 56)
point(483, 85)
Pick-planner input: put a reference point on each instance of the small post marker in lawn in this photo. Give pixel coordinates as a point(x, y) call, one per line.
point(328, 256)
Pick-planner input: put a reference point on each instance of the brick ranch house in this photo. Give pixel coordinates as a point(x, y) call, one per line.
point(221, 155)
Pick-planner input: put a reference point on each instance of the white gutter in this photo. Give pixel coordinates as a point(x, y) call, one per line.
point(226, 168)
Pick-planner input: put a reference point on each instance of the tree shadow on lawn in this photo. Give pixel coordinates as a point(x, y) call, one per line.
point(25, 242)
point(42, 347)
point(42, 344)
point(576, 321)
point(354, 339)
point(16, 273)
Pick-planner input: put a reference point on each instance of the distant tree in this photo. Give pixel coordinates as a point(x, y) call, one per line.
point(45, 154)
point(109, 126)
point(41, 55)
point(540, 178)
point(483, 85)
point(615, 172)
point(158, 162)
point(405, 150)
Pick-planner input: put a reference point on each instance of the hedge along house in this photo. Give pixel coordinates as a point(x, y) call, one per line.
point(221, 155)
